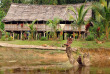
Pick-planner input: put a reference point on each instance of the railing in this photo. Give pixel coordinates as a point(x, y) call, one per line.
point(40, 27)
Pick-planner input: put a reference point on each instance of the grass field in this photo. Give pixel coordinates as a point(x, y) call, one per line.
point(79, 44)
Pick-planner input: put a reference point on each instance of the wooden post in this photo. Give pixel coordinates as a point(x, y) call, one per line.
point(39, 35)
point(17, 25)
point(44, 33)
point(28, 36)
point(18, 36)
point(84, 35)
point(21, 35)
point(13, 35)
point(65, 36)
point(73, 35)
point(36, 35)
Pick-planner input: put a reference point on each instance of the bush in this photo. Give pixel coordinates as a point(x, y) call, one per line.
point(10, 39)
point(43, 39)
point(3, 38)
point(102, 37)
point(90, 37)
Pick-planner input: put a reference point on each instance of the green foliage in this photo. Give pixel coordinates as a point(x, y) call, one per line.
point(90, 37)
point(47, 35)
point(3, 38)
point(102, 37)
point(29, 35)
point(43, 39)
point(2, 14)
point(53, 24)
point(51, 35)
point(61, 37)
point(6, 36)
point(1, 25)
point(5, 4)
point(102, 14)
point(69, 35)
point(93, 30)
point(10, 39)
point(79, 16)
point(32, 29)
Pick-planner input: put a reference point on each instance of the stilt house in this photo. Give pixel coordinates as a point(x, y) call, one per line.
point(20, 14)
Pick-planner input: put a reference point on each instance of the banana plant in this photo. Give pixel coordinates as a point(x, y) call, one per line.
point(32, 29)
point(53, 24)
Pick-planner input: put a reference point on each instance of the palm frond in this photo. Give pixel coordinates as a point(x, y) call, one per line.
point(108, 16)
point(80, 11)
point(109, 6)
point(85, 12)
point(71, 18)
point(98, 16)
point(99, 8)
point(50, 24)
point(34, 22)
point(103, 2)
point(72, 9)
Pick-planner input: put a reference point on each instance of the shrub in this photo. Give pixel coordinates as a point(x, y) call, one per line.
point(3, 38)
point(10, 39)
point(43, 39)
point(90, 37)
point(102, 37)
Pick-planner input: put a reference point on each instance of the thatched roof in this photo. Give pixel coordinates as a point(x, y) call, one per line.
point(25, 12)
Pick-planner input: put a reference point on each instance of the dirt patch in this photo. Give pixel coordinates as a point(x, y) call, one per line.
point(30, 57)
point(99, 57)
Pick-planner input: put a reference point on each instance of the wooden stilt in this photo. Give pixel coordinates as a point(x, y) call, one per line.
point(18, 36)
point(84, 35)
point(13, 35)
point(21, 35)
point(39, 35)
point(65, 36)
point(44, 33)
point(36, 35)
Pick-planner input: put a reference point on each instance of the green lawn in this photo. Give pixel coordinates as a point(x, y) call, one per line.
point(80, 44)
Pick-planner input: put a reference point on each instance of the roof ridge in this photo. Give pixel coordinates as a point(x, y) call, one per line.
point(51, 5)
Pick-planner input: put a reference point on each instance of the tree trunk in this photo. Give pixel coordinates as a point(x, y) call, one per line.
point(85, 62)
point(69, 50)
point(70, 56)
point(32, 35)
point(106, 29)
point(79, 28)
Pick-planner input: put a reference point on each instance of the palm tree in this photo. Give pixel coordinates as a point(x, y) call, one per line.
point(79, 18)
point(102, 14)
point(53, 24)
